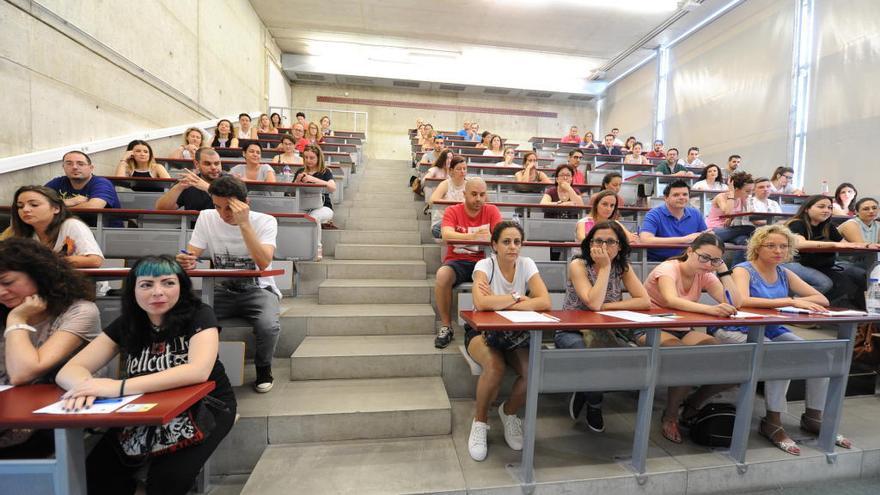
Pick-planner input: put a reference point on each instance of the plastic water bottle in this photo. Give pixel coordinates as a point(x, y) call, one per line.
point(285, 174)
point(872, 297)
point(824, 186)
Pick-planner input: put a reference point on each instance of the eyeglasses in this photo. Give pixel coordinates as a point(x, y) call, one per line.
point(606, 242)
point(564, 176)
point(776, 247)
point(577, 157)
point(705, 258)
point(789, 177)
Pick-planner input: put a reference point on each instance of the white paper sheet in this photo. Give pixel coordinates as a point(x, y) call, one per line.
point(746, 314)
point(634, 316)
point(527, 317)
point(101, 406)
point(845, 312)
point(5, 387)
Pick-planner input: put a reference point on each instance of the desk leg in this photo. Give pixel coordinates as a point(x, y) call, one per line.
point(208, 291)
point(646, 403)
point(530, 423)
point(836, 393)
point(745, 402)
point(70, 462)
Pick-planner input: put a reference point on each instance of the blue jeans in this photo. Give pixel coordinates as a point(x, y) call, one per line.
point(574, 340)
point(817, 279)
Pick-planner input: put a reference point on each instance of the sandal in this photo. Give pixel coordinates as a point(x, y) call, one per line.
point(788, 446)
point(669, 430)
point(816, 425)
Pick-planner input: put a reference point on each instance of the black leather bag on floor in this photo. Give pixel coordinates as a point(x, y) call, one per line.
point(713, 425)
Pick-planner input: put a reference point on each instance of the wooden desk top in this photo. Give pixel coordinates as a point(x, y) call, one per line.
point(18, 403)
point(589, 320)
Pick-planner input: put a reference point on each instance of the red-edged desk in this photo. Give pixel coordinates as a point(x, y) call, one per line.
point(645, 368)
point(68, 467)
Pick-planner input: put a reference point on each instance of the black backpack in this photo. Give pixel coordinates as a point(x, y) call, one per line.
point(713, 425)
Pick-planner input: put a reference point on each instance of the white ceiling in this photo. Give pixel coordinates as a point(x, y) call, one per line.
point(562, 41)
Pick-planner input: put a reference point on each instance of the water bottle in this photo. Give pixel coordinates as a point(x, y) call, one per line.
point(872, 297)
point(824, 187)
point(285, 174)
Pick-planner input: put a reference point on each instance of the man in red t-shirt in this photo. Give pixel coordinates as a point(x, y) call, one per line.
point(299, 137)
point(572, 137)
point(472, 220)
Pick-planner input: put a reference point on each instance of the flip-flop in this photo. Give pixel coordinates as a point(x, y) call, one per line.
point(669, 430)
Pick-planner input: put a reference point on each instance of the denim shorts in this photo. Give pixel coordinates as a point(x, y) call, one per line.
point(464, 271)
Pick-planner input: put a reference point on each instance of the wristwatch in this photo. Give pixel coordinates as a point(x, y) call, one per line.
point(516, 297)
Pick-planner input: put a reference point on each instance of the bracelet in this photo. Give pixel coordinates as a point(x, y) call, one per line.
point(723, 274)
point(19, 326)
point(122, 387)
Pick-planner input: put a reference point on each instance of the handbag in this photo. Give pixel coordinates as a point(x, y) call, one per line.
point(191, 427)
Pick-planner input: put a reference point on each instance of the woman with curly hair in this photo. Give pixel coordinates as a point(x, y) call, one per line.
point(49, 314)
point(166, 338)
point(39, 213)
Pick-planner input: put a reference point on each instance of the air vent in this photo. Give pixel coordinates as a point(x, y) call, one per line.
point(580, 97)
point(539, 94)
point(311, 77)
point(362, 81)
point(496, 91)
point(451, 87)
point(406, 84)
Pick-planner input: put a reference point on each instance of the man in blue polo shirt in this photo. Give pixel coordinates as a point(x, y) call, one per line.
point(80, 188)
point(674, 222)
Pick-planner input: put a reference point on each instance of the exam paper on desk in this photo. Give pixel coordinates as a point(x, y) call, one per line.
point(526, 317)
point(101, 406)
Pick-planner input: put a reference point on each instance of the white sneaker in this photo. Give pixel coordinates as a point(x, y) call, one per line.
point(513, 433)
point(477, 441)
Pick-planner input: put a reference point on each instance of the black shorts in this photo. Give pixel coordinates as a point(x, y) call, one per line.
point(464, 271)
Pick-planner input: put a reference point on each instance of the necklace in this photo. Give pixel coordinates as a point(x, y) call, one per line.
point(156, 328)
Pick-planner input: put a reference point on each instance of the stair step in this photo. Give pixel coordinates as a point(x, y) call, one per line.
point(381, 213)
point(378, 237)
point(398, 269)
point(431, 466)
point(361, 319)
point(328, 410)
point(375, 291)
point(379, 252)
point(377, 356)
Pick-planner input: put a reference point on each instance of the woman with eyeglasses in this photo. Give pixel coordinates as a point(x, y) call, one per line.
point(764, 283)
point(530, 172)
point(596, 281)
point(563, 194)
point(508, 155)
point(678, 283)
point(589, 141)
point(841, 282)
point(781, 181)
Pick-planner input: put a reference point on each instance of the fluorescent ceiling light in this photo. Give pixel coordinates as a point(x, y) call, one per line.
point(644, 6)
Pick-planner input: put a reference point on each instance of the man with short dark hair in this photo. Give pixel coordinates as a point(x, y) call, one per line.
point(672, 165)
point(191, 190)
point(574, 159)
point(572, 137)
point(237, 238)
point(617, 141)
point(676, 221)
point(657, 151)
point(693, 158)
point(431, 155)
point(79, 188)
point(733, 162)
point(608, 147)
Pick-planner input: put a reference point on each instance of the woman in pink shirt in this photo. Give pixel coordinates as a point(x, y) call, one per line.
point(678, 283)
point(729, 202)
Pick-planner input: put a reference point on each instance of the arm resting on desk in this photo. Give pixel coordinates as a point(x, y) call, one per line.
point(650, 238)
point(449, 234)
point(26, 363)
point(85, 261)
point(808, 297)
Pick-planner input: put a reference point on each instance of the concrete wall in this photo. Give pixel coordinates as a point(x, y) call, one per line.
point(388, 125)
point(60, 92)
point(629, 106)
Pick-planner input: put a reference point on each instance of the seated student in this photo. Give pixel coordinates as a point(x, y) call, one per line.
point(49, 314)
point(138, 161)
point(252, 170)
point(325, 126)
point(191, 190)
point(223, 135)
point(673, 222)
point(733, 162)
point(608, 147)
point(299, 135)
point(431, 155)
point(495, 148)
point(596, 280)
point(484, 141)
point(451, 189)
point(265, 125)
point(781, 181)
point(39, 214)
point(572, 137)
point(289, 156)
point(678, 284)
point(611, 181)
point(845, 197)
point(315, 172)
point(465, 132)
point(276, 120)
point(245, 130)
point(508, 155)
point(693, 158)
point(671, 165)
point(604, 207)
point(530, 172)
point(234, 237)
point(657, 150)
point(615, 132)
point(710, 179)
point(841, 282)
point(426, 137)
point(628, 145)
point(79, 188)
point(760, 201)
point(192, 141)
point(732, 229)
point(863, 229)
point(313, 134)
point(589, 141)
point(472, 220)
point(635, 155)
point(301, 118)
point(166, 338)
point(501, 282)
point(764, 283)
point(562, 194)
point(574, 160)
point(440, 168)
